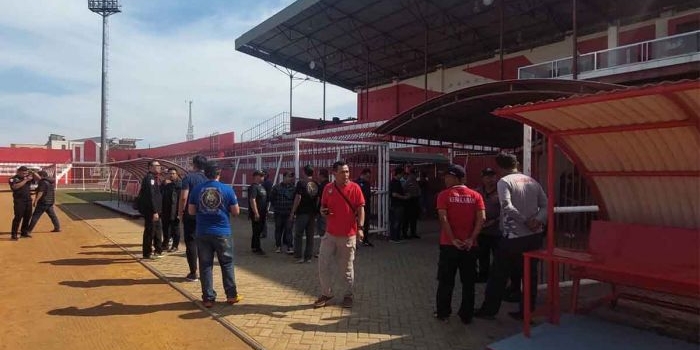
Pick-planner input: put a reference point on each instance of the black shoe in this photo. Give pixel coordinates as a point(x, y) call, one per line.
point(443, 319)
point(56, 230)
point(414, 237)
point(367, 244)
point(516, 315)
point(191, 277)
point(14, 237)
point(466, 319)
point(483, 315)
point(26, 235)
point(259, 252)
point(512, 298)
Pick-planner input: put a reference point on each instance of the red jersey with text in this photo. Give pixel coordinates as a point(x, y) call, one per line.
point(341, 220)
point(462, 205)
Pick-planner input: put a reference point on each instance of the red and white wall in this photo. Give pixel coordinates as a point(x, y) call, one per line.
point(388, 100)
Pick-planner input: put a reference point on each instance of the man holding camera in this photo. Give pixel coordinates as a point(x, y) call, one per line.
point(22, 200)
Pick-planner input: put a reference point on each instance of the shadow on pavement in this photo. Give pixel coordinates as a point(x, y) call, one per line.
point(87, 261)
point(87, 211)
point(126, 245)
point(115, 252)
point(110, 282)
point(112, 308)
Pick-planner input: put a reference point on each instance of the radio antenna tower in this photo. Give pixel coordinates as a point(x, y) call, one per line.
point(104, 8)
point(190, 127)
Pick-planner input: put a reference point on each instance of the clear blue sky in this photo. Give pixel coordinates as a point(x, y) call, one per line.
point(162, 53)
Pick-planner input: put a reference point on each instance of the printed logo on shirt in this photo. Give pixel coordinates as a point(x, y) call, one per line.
point(463, 200)
point(153, 182)
point(312, 189)
point(210, 200)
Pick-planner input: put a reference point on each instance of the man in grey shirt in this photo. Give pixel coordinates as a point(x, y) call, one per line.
point(523, 213)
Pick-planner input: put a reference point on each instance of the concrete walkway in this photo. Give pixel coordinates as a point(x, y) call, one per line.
point(393, 303)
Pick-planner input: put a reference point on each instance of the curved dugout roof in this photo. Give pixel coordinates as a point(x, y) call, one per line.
point(464, 116)
point(364, 43)
point(139, 167)
point(639, 148)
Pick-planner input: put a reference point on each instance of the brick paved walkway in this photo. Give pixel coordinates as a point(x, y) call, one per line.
point(395, 286)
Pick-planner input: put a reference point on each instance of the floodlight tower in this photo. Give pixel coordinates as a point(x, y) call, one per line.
point(104, 8)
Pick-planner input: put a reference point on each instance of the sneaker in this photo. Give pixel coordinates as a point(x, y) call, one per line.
point(301, 261)
point(56, 230)
point(259, 252)
point(26, 235)
point(235, 300)
point(208, 303)
point(367, 244)
point(156, 256)
point(192, 277)
point(172, 250)
point(322, 301)
point(308, 261)
point(290, 251)
point(278, 250)
point(347, 302)
point(14, 237)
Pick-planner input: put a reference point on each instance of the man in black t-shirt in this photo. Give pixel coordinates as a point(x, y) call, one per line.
point(257, 210)
point(304, 211)
point(22, 200)
point(44, 201)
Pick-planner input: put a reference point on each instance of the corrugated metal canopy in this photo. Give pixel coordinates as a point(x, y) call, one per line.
point(464, 116)
point(139, 167)
point(639, 147)
point(371, 42)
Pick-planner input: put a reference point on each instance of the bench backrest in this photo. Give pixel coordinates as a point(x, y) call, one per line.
point(654, 248)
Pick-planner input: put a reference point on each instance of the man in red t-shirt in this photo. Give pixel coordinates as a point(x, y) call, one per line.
point(343, 206)
point(462, 213)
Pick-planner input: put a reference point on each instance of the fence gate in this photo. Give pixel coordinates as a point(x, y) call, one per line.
point(374, 156)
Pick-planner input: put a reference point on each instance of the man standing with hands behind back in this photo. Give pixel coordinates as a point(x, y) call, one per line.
point(462, 213)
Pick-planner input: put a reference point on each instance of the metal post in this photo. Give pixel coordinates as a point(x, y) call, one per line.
point(550, 194)
point(425, 64)
point(324, 90)
point(574, 60)
point(291, 78)
point(296, 158)
point(500, 38)
point(103, 110)
point(527, 150)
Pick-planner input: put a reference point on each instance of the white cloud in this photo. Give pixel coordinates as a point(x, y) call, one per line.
point(152, 73)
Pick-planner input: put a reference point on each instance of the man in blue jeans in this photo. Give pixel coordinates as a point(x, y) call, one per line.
point(212, 202)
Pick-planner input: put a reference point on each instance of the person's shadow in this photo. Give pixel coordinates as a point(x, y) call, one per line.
point(110, 282)
point(113, 308)
point(88, 261)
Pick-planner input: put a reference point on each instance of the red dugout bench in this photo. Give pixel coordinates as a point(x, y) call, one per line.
point(660, 259)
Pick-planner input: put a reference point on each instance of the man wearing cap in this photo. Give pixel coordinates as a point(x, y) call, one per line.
point(490, 232)
point(523, 213)
point(461, 214)
point(20, 184)
point(44, 201)
point(189, 222)
point(212, 202)
point(257, 210)
point(304, 211)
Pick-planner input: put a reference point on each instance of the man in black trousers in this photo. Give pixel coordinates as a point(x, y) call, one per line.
point(22, 200)
point(150, 206)
point(189, 222)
